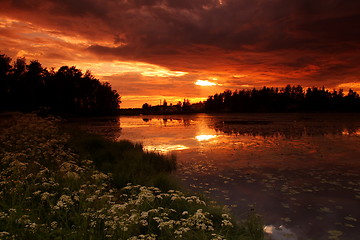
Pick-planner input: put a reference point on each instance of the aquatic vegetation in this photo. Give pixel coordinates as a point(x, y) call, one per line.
point(126, 161)
point(334, 234)
point(49, 192)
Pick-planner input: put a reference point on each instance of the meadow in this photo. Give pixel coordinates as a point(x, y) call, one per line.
point(58, 184)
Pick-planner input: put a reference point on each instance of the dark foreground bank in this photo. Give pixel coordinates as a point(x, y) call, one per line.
point(52, 188)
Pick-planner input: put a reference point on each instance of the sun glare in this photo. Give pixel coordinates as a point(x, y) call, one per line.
point(201, 138)
point(204, 83)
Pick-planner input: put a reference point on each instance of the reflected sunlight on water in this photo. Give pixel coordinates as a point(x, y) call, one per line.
point(301, 172)
point(346, 132)
point(165, 148)
point(279, 233)
point(201, 138)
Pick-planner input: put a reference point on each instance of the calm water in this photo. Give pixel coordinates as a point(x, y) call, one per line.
point(301, 172)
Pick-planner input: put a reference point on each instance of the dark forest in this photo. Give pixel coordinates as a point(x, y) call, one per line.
point(288, 99)
point(31, 87)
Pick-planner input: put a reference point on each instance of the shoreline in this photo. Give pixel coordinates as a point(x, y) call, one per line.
point(65, 195)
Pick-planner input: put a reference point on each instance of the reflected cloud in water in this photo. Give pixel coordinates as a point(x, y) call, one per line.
point(292, 127)
point(279, 233)
point(285, 164)
point(287, 129)
point(168, 121)
point(353, 133)
point(165, 148)
point(202, 138)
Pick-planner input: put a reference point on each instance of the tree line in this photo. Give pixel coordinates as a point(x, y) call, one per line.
point(30, 87)
point(288, 99)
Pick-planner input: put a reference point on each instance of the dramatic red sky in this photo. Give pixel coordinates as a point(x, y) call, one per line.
point(158, 49)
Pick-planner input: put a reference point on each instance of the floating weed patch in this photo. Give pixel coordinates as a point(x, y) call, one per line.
point(325, 210)
point(334, 234)
point(49, 192)
point(350, 218)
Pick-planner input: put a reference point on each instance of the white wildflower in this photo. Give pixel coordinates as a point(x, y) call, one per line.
point(64, 202)
point(4, 234)
point(143, 222)
point(45, 196)
point(3, 215)
point(53, 224)
point(100, 176)
point(12, 210)
point(37, 192)
point(226, 223)
point(72, 175)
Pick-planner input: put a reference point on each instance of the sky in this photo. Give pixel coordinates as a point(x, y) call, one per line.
point(151, 50)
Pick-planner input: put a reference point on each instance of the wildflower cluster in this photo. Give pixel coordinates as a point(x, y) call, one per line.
point(47, 191)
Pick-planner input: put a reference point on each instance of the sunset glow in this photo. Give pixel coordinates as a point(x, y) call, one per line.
point(113, 112)
point(204, 83)
point(201, 138)
point(168, 48)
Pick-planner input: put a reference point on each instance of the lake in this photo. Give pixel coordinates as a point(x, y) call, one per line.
point(301, 172)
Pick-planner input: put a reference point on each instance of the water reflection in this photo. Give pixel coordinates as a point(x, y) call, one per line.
point(300, 171)
point(280, 233)
point(288, 127)
point(201, 138)
point(165, 148)
point(108, 127)
point(171, 120)
point(353, 132)
point(293, 129)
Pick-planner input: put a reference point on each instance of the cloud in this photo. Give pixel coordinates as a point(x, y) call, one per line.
point(269, 41)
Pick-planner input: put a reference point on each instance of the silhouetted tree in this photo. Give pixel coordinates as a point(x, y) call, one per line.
point(288, 99)
point(5, 68)
point(186, 105)
point(165, 103)
point(146, 106)
point(68, 90)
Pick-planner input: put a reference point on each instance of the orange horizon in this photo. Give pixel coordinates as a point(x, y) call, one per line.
point(163, 49)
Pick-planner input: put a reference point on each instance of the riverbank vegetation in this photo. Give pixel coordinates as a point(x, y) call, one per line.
point(145, 168)
point(288, 99)
point(51, 191)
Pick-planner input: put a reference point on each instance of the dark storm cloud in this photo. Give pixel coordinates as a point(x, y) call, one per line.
point(247, 26)
point(279, 37)
point(265, 25)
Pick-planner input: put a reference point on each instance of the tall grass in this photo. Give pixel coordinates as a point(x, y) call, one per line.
point(127, 162)
point(48, 191)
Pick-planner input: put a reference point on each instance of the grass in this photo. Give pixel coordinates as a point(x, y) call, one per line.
point(127, 162)
point(50, 189)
